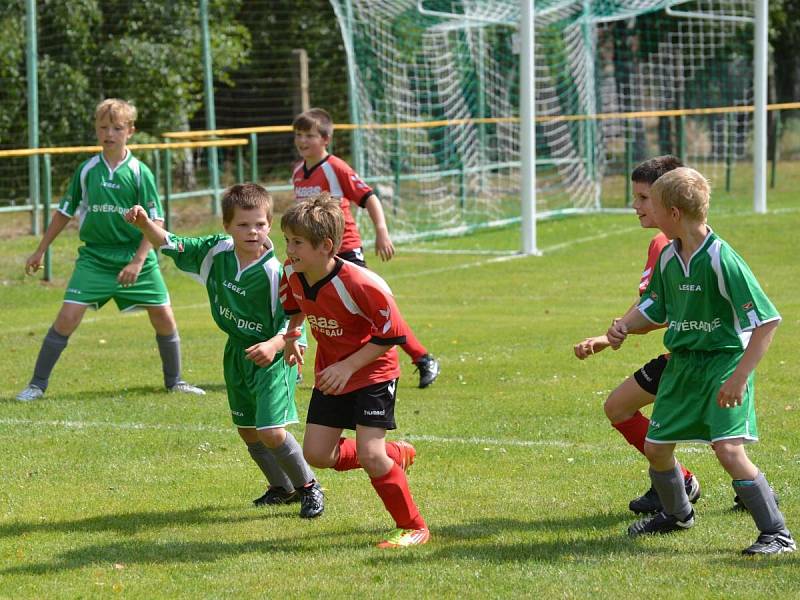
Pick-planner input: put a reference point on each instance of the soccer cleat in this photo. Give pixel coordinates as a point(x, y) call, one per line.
point(739, 506)
point(402, 538)
point(407, 454)
point(186, 388)
point(660, 523)
point(32, 392)
point(771, 543)
point(649, 502)
point(428, 368)
point(312, 500)
point(277, 495)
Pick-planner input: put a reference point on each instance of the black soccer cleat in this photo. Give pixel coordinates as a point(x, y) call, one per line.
point(428, 368)
point(660, 523)
point(312, 500)
point(649, 502)
point(771, 543)
point(277, 495)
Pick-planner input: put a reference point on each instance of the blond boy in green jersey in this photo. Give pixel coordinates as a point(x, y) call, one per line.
point(719, 324)
point(115, 262)
point(241, 275)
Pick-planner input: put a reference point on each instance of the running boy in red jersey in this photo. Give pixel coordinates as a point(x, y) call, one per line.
point(354, 318)
point(623, 406)
point(322, 172)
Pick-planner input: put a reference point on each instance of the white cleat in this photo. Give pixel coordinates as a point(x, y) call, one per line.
point(30, 393)
point(186, 388)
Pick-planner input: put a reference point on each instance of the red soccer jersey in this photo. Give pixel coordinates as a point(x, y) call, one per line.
point(657, 244)
point(334, 175)
point(348, 308)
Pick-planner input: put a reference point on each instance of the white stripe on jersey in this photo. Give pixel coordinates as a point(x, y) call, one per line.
point(716, 265)
point(346, 298)
point(225, 245)
point(272, 267)
point(83, 207)
point(333, 181)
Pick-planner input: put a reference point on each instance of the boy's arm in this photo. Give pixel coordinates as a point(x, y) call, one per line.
point(383, 243)
point(57, 224)
point(593, 345)
point(154, 235)
point(293, 351)
point(334, 378)
point(732, 390)
point(633, 322)
point(263, 353)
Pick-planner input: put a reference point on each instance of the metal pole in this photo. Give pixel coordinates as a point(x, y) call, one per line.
point(167, 186)
point(760, 108)
point(254, 157)
point(776, 151)
point(352, 87)
point(208, 96)
point(527, 114)
point(32, 63)
point(48, 200)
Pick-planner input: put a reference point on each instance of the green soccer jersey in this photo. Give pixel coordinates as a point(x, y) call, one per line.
point(244, 301)
point(100, 196)
point(711, 304)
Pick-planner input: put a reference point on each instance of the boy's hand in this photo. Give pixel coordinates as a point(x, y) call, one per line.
point(137, 216)
point(383, 245)
point(332, 380)
point(293, 352)
point(128, 276)
point(262, 353)
point(34, 262)
point(590, 346)
point(731, 392)
point(616, 334)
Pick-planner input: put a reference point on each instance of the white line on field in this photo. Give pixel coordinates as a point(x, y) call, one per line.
point(68, 424)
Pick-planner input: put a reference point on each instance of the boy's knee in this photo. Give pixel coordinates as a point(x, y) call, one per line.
point(317, 459)
point(272, 438)
point(657, 453)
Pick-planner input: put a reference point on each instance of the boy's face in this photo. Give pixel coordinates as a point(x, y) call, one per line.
point(666, 219)
point(249, 229)
point(643, 204)
point(305, 258)
point(311, 145)
point(112, 136)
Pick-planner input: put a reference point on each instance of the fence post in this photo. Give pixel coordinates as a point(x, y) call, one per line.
point(239, 164)
point(167, 185)
point(48, 200)
point(775, 148)
point(254, 157)
point(628, 163)
point(729, 141)
point(208, 94)
point(31, 65)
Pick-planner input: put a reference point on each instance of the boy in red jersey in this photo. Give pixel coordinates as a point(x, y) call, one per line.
point(354, 318)
point(322, 172)
point(623, 406)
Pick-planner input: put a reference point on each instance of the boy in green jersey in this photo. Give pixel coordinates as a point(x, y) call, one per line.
point(719, 324)
point(241, 275)
point(115, 261)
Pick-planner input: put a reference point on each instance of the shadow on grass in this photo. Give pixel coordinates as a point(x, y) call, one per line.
point(133, 393)
point(135, 522)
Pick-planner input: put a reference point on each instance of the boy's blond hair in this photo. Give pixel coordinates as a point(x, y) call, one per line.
point(314, 118)
point(246, 196)
point(317, 218)
point(685, 189)
point(118, 111)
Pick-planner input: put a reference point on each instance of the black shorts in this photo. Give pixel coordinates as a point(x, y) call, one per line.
point(649, 376)
point(371, 406)
point(355, 256)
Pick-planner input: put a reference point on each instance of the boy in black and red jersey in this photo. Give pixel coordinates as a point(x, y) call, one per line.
point(353, 316)
point(319, 172)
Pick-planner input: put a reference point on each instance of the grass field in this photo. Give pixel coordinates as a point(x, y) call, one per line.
point(111, 487)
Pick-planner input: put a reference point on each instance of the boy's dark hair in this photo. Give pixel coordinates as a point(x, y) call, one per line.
point(652, 169)
point(317, 218)
point(245, 196)
point(314, 118)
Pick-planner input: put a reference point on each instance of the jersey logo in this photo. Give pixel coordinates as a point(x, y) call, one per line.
point(747, 306)
point(690, 287)
point(329, 327)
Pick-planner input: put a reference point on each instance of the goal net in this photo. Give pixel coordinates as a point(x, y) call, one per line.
point(435, 86)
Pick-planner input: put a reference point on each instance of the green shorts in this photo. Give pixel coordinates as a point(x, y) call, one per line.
point(686, 408)
point(260, 397)
point(94, 280)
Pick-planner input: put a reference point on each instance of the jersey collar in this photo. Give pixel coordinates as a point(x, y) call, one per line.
point(311, 291)
point(307, 172)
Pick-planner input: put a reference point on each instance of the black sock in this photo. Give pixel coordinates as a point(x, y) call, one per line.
point(52, 347)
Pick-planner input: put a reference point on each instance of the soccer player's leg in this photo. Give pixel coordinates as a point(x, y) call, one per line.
point(623, 408)
point(273, 387)
point(90, 285)
point(150, 292)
